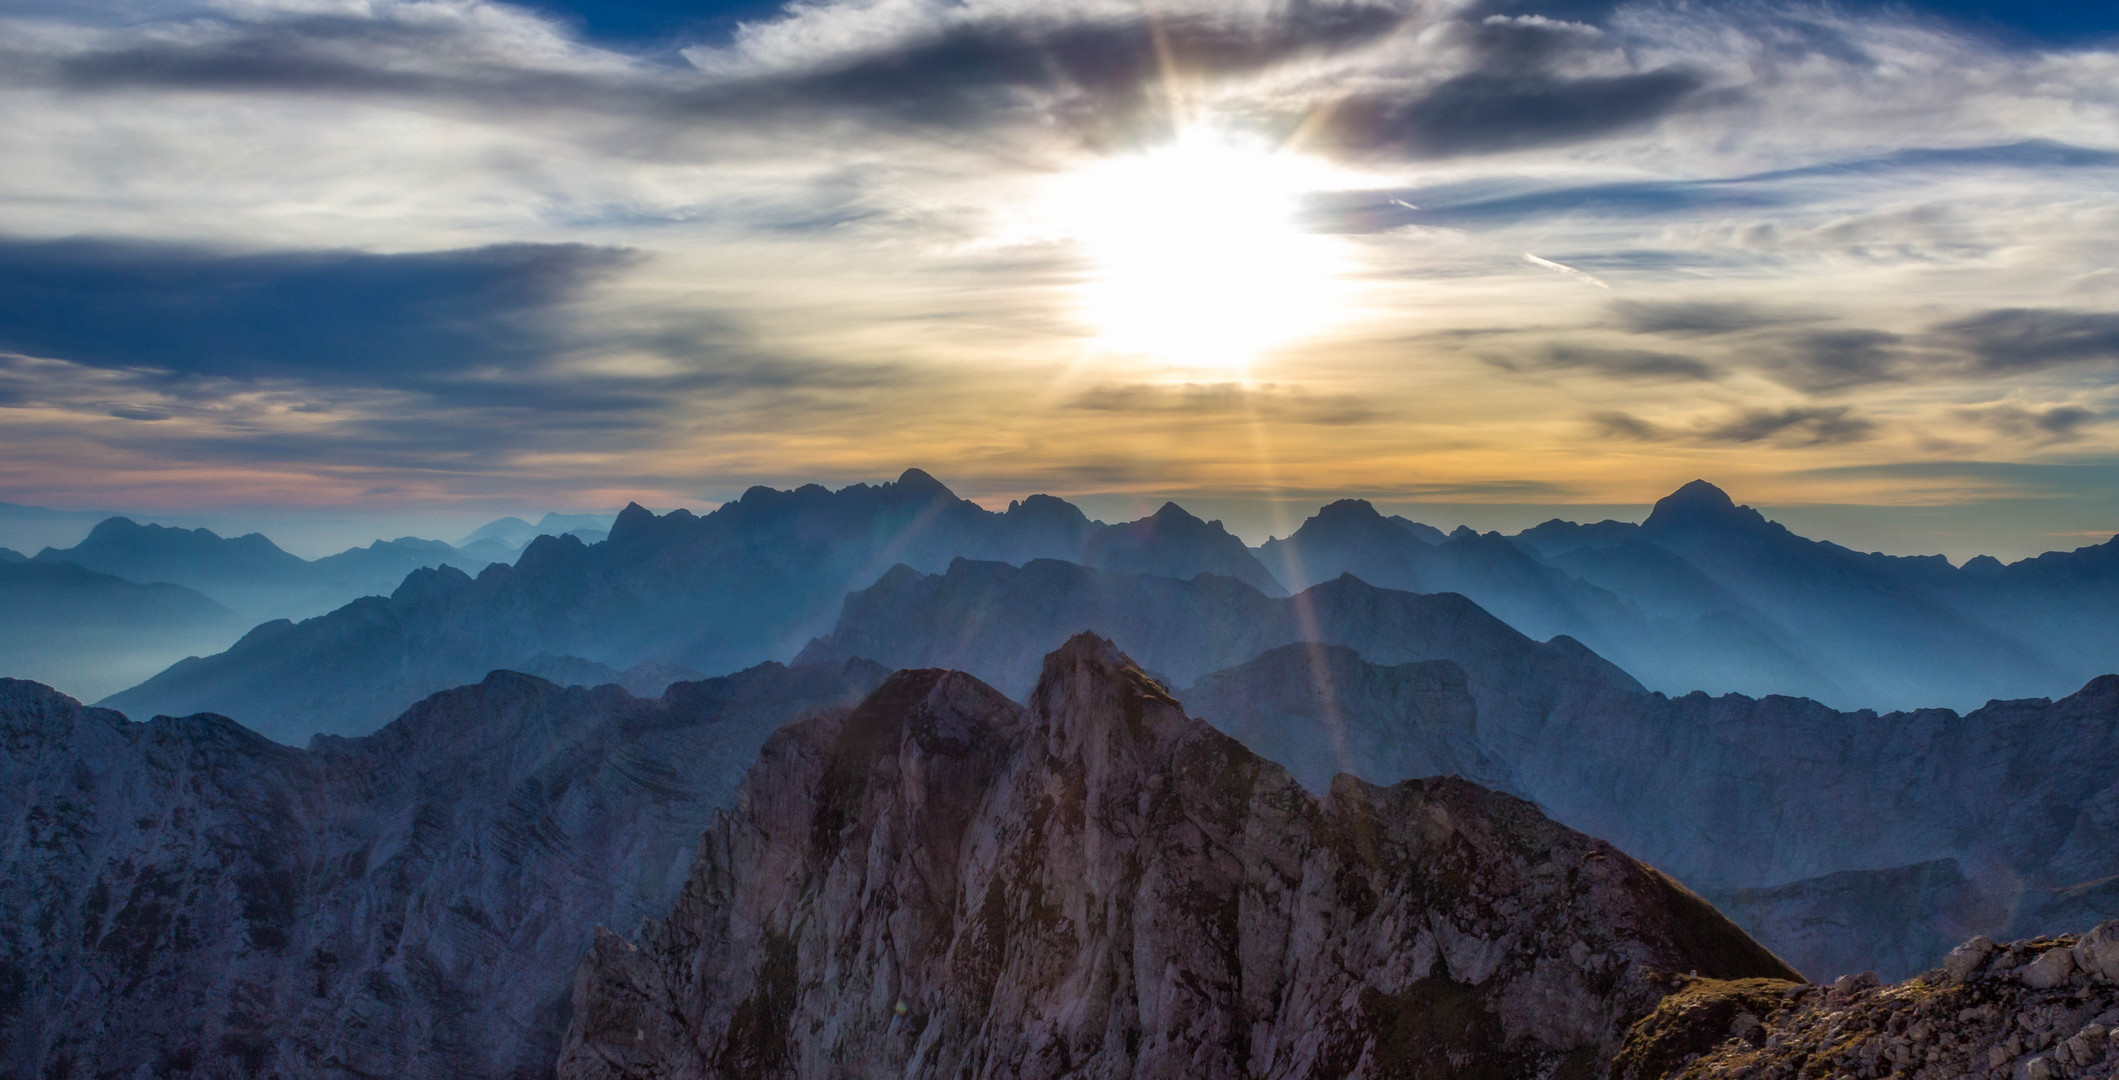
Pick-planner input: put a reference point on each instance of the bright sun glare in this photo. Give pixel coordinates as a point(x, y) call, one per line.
point(1197, 255)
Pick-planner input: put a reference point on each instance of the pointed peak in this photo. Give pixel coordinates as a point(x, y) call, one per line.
point(629, 522)
point(1088, 647)
point(1170, 511)
point(1089, 669)
point(920, 482)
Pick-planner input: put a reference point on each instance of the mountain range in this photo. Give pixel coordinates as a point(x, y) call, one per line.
point(2014, 802)
point(1709, 595)
point(1090, 873)
point(94, 633)
point(249, 573)
point(137, 598)
point(1703, 595)
point(187, 897)
point(749, 582)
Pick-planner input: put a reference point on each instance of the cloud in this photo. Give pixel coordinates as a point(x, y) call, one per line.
point(1293, 404)
point(2056, 423)
point(1481, 113)
point(1696, 318)
point(1822, 361)
point(1806, 426)
point(1615, 363)
point(329, 317)
point(2022, 339)
point(1796, 426)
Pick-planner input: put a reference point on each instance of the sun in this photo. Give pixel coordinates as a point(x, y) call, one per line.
point(1196, 254)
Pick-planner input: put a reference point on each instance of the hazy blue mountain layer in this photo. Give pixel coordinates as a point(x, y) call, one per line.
point(1727, 792)
point(250, 574)
point(1708, 595)
point(186, 898)
point(94, 633)
point(747, 583)
point(1875, 631)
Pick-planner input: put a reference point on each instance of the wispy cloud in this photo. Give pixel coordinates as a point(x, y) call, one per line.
point(454, 243)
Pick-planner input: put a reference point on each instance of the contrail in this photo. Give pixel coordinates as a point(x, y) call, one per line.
point(1565, 269)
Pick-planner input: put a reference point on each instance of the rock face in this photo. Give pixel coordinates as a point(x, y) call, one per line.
point(942, 883)
point(2030, 1010)
point(188, 898)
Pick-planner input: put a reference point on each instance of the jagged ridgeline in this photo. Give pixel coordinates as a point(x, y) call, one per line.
point(1703, 595)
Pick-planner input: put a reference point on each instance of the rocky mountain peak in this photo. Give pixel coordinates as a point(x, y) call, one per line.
point(631, 522)
point(920, 482)
point(1099, 705)
point(1169, 513)
point(1699, 503)
point(1109, 888)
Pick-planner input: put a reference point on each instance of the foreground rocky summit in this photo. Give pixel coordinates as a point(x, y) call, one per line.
point(943, 883)
point(2042, 1009)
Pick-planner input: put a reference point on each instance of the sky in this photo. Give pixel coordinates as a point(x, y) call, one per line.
point(1484, 261)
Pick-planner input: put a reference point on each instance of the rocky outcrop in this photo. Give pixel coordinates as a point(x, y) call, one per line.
point(942, 883)
point(187, 898)
point(2041, 1009)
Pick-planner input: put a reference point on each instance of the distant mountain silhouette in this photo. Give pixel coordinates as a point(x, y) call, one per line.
point(1871, 630)
point(512, 534)
point(998, 621)
point(749, 582)
point(250, 573)
point(94, 633)
point(1173, 543)
point(1709, 595)
point(1704, 595)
